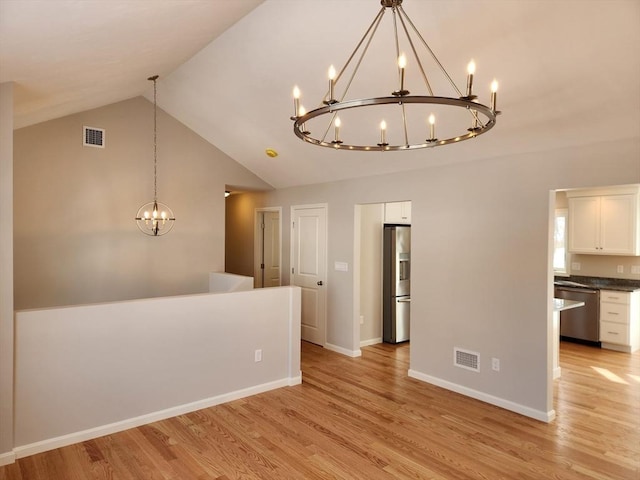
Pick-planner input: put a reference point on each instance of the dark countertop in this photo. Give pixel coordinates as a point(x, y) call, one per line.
point(601, 283)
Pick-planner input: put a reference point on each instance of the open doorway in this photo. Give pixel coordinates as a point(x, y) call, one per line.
point(267, 247)
point(370, 220)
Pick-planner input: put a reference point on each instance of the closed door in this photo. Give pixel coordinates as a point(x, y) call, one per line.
point(308, 263)
point(267, 249)
point(271, 249)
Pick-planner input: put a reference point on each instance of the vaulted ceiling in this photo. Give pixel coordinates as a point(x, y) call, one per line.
point(569, 70)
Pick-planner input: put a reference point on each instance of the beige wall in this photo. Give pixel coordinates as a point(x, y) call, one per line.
point(371, 222)
point(239, 233)
point(605, 266)
point(6, 272)
point(599, 265)
point(75, 234)
point(481, 270)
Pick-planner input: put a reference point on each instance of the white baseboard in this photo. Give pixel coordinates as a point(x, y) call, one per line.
point(557, 372)
point(77, 437)
point(617, 348)
point(371, 341)
point(343, 351)
point(7, 458)
point(485, 397)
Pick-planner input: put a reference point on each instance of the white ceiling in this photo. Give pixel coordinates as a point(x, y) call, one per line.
point(68, 56)
point(569, 70)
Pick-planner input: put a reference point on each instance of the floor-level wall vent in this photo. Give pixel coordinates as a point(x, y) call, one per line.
point(466, 359)
point(93, 137)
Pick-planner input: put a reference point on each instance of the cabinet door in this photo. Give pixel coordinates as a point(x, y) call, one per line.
point(614, 312)
point(397, 212)
point(614, 333)
point(618, 219)
point(584, 225)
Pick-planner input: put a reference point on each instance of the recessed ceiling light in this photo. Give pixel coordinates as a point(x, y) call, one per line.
point(271, 153)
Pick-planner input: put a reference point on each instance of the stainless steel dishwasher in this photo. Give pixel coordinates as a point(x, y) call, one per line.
point(583, 323)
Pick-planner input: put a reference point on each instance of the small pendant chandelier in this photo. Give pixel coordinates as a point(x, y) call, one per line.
point(413, 116)
point(155, 218)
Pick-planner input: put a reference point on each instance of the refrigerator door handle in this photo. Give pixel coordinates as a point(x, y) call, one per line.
point(405, 300)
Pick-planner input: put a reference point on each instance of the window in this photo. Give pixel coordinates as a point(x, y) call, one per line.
point(560, 253)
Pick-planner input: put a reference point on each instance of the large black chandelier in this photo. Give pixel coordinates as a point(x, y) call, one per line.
point(454, 118)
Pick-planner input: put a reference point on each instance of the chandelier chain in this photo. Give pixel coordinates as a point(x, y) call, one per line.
point(155, 139)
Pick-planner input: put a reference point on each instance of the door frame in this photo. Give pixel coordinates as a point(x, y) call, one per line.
point(258, 241)
point(325, 206)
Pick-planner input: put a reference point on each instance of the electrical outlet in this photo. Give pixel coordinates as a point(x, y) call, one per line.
point(635, 269)
point(495, 364)
point(575, 266)
point(620, 269)
point(258, 356)
point(361, 319)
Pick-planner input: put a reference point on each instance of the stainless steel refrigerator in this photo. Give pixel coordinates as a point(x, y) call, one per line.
point(396, 289)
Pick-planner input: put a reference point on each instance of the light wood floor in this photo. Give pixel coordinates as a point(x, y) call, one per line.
point(364, 418)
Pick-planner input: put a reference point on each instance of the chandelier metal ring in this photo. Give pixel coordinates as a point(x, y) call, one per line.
point(300, 132)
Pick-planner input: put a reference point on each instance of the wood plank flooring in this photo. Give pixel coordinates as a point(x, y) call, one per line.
point(363, 418)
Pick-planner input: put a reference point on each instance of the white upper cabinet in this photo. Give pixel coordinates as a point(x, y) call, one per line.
point(606, 223)
point(397, 212)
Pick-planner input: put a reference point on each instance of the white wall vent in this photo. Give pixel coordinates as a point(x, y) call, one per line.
point(93, 137)
point(466, 359)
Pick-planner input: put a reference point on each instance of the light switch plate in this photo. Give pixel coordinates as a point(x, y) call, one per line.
point(635, 269)
point(341, 266)
point(575, 266)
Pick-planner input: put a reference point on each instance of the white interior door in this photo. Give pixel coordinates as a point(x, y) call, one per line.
point(309, 268)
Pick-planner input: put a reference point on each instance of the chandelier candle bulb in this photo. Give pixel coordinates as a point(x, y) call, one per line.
point(296, 100)
point(471, 69)
point(302, 112)
point(402, 63)
point(494, 92)
point(432, 127)
point(337, 124)
point(383, 132)
point(332, 81)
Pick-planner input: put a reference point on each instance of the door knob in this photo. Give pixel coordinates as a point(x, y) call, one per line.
point(320, 283)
